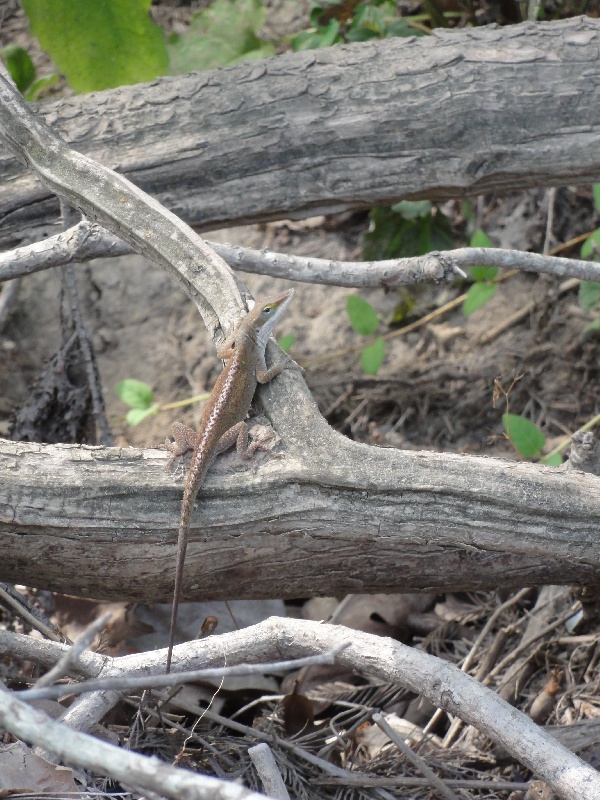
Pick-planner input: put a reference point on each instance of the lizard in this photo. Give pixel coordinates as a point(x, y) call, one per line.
point(222, 423)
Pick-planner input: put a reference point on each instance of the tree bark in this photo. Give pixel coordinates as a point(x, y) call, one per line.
point(454, 114)
point(328, 518)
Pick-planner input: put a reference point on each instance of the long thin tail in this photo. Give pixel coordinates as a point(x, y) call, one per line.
point(182, 539)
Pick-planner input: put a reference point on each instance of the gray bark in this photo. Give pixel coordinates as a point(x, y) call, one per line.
point(330, 517)
point(453, 114)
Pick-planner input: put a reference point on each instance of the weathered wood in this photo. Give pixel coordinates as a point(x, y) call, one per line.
point(453, 114)
point(102, 522)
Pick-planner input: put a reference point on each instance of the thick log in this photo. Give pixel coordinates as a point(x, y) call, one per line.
point(102, 522)
point(454, 114)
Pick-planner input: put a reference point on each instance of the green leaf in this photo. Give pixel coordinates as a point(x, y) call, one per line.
point(324, 36)
point(591, 246)
point(589, 295)
point(483, 273)
point(477, 296)
point(525, 437)
point(411, 209)
point(596, 193)
point(552, 461)
point(224, 33)
point(136, 415)
point(20, 66)
point(371, 357)
point(99, 44)
point(593, 326)
point(136, 394)
point(39, 86)
point(286, 342)
point(363, 316)
point(480, 239)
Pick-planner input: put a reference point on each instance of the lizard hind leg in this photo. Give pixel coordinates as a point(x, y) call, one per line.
point(185, 439)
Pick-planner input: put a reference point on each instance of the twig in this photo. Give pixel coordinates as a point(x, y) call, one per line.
point(527, 642)
point(176, 678)
point(143, 772)
point(70, 658)
point(522, 312)
point(11, 597)
point(88, 240)
point(470, 657)
point(414, 758)
point(264, 761)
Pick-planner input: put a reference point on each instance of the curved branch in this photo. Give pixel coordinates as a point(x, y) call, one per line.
point(441, 683)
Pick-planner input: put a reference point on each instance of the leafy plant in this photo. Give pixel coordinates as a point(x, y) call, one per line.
point(406, 229)
point(224, 33)
point(483, 287)
point(22, 71)
point(139, 396)
point(99, 45)
point(365, 321)
point(335, 22)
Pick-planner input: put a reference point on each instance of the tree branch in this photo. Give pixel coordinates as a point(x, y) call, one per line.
point(328, 517)
point(441, 683)
point(87, 240)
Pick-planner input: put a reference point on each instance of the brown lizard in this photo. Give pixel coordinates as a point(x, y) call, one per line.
point(222, 422)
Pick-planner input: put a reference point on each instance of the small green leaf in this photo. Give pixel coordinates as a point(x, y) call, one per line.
point(480, 239)
point(477, 296)
point(363, 316)
point(525, 437)
point(324, 36)
point(552, 461)
point(589, 295)
point(596, 192)
point(286, 342)
point(37, 87)
point(136, 415)
point(591, 245)
point(136, 394)
point(411, 209)
point(372, 357)
point(19, 65)
point(483, 273)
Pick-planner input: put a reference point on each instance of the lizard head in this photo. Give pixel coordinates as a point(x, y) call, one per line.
point(266, 313)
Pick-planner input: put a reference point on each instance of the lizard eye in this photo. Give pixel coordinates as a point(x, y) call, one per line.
point(267, 309)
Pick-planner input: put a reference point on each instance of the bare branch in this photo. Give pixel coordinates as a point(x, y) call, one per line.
point(88, 240)
point(43, 690)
